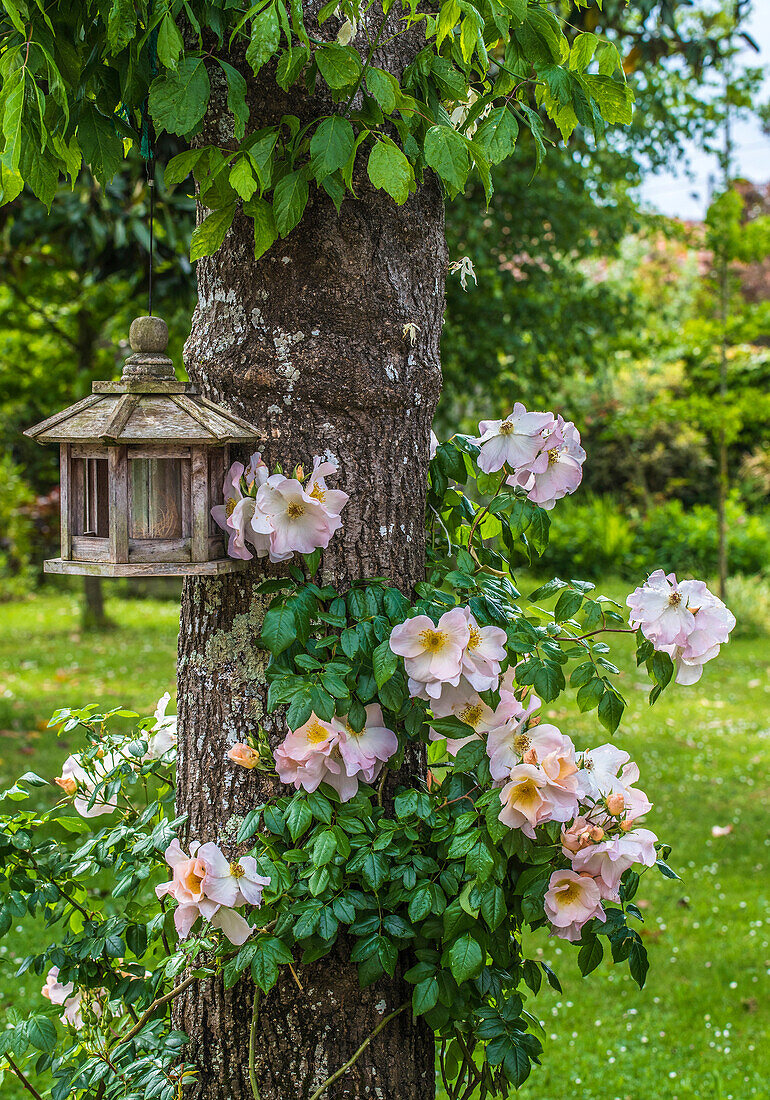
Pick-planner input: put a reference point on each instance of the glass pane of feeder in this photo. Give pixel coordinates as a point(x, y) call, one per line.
point(156, 498)
point(90, 497)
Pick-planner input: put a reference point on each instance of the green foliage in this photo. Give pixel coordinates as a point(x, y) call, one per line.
point(16, 530)
point(499, 62)
point(598, 536)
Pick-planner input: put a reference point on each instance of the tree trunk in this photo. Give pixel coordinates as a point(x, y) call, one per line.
point(310, 344)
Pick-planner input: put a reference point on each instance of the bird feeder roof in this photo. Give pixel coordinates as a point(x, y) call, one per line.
point(148, 405)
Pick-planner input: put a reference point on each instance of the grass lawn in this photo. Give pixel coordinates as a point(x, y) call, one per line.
point(701, 1026)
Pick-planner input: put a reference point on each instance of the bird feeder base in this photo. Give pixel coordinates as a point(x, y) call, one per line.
point(144, 569)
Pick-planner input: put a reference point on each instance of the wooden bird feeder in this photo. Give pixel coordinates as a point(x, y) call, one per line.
point(142, 464)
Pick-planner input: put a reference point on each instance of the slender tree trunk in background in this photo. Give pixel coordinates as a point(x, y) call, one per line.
point(92, 616)
point(309, 344)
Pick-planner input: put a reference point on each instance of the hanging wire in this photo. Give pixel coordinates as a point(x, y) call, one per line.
point(148, 152)
point(151, 259)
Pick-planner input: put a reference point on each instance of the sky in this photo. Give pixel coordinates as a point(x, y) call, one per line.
point(674, 193)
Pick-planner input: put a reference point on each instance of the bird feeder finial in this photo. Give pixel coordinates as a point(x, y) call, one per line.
point(148, 337)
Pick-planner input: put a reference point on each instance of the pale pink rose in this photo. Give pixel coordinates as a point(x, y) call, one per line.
point(530, 798)
point(310, 756)
point(557, 470)
point(483, 653)
point(53, 989)
point(433, 653)
point(243, 755)
point(231, 884)
point(660, 608)
point(256, 473)
point(312, 737)
point(464, 703)
point(368, 750)
point(508, 745)
point(576, 837)
point(163, 735)
point(231, 491)
point(713, 622)
point(332, 500)
point(570, 902)
point(86, 777)
point(608, 770)
point(293, 520)
point(187, 874)
point(234, 926)
point(71, 1002)
point(608, 860)
point(433, 446)
point(514, 441)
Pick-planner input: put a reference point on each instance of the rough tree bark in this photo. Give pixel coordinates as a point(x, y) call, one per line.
point(309, 342)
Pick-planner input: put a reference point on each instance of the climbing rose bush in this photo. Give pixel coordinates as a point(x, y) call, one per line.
point(463, 872)
point(278, 516)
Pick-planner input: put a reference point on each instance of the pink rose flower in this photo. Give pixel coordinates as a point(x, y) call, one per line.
point(332, 752)
point(367, 751)
point(332, 500)
point(658, 607)
point(513, 743)
point(82, 780)
point(205, 884)
point(483, 653)
point(433, 653)
point(515, 441)
point(570, 902)
point(243, 755)
point(606, 771)
point(532, 797)
point(608, 860)
point(293, 520)
point(557, 470)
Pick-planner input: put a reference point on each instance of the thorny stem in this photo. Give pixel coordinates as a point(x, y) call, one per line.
point(343, 1069)
point(179, 989)
point(253, 1045)
point(24, 1080)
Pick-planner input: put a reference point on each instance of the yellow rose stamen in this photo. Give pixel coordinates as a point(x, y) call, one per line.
point(433, 640)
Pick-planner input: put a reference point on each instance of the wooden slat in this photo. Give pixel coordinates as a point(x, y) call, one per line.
point(186, 499)
point(199, 493)
point(87, 450)
point(65, 473)
point(158, 451)
point(118, 504)
point(120, 416)
point(60, 417)
point(144, 569)
point(159, 550)
point(88, 548)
